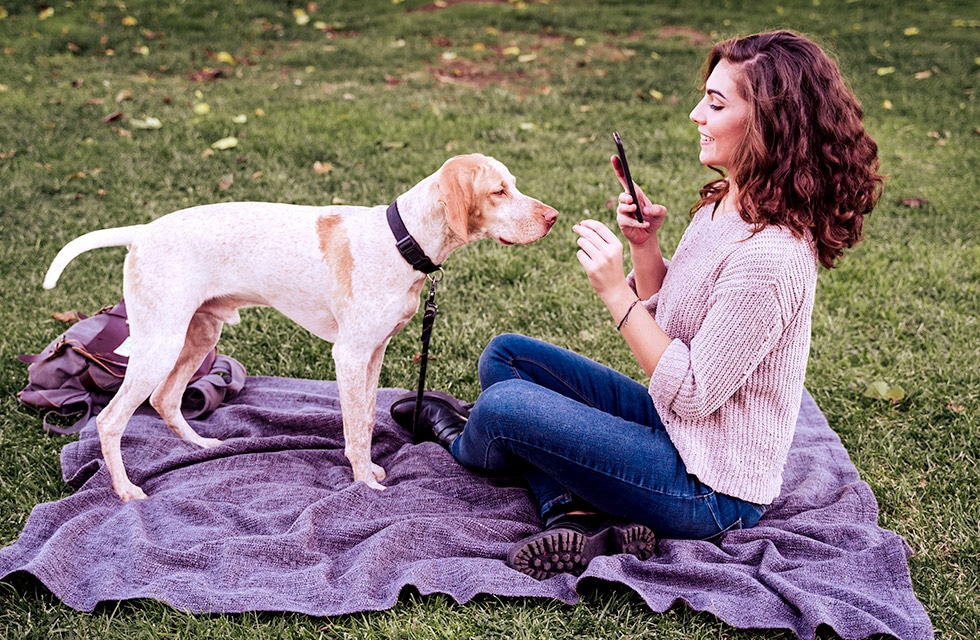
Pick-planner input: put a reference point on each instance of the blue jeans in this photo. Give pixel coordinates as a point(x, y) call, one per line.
point(586, 436)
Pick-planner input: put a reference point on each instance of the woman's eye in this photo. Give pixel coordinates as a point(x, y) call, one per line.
point(715, 107)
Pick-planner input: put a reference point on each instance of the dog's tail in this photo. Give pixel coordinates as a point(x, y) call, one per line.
point(118, 237)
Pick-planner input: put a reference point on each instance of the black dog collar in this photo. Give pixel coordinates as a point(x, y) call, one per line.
point(406, 244)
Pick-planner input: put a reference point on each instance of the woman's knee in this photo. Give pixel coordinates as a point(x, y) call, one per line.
point(495, 362)
point(499, 402)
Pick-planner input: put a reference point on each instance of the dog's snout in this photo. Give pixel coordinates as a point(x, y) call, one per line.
point(548, 214)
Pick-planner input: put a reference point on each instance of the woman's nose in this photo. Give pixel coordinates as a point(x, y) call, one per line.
point(696, 113)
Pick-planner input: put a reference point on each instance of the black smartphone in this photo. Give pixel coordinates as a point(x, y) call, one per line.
point(626, 174)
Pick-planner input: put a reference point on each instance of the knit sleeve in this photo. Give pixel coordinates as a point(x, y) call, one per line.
point(651, 302)
point(751, 303)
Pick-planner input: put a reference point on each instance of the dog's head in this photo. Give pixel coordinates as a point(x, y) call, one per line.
point(481, 200)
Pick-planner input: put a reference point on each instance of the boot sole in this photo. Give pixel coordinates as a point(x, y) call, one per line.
point(559, 551)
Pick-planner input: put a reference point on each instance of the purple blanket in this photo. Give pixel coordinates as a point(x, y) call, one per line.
point(270, 521)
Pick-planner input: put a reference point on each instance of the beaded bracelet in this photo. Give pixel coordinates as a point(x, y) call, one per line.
point(622, 322)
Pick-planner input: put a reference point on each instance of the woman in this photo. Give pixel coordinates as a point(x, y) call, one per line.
point(722, 329)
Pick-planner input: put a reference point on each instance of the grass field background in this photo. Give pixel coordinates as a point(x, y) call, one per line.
point(118, 112)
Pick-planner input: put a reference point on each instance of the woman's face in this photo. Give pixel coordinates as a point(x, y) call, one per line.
point(721, 117)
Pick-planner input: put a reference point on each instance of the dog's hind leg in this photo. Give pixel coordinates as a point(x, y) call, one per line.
point(149, 364)
point(202, 335)
point(358, 369)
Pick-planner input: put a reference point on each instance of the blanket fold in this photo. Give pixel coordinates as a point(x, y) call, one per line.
point(270, 521)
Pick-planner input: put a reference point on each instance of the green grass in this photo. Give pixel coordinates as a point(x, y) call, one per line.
point(384, 94)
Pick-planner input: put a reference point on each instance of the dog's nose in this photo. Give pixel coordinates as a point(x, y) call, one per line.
point(550, 214)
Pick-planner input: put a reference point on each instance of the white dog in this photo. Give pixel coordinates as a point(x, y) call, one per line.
point(334, 270)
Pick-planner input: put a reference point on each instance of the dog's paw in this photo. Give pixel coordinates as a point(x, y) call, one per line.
point(209, 443)
point(379, 472)
point(130, 492)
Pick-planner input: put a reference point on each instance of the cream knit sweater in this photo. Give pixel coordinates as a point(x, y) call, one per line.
point(728, 387)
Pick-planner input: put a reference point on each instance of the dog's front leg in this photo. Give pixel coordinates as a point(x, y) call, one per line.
point(358, 369)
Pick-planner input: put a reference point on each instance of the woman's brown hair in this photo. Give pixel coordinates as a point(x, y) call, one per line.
point(806, 161)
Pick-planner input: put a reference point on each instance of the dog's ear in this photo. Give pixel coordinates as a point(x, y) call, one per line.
point(457, 192)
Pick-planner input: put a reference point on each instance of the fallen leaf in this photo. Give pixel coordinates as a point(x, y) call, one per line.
point(112, 117)
point(70, 317)
point(207, 74)
point(125, 94)
point(322, 167)
point(914, 203)
point(226, 182)
point(129, 21)
point(240, 119)
point(511, 51)
point(225, 143)
point(881, 390)
point(922, 75)
point(202, 108)
point(225, 57)
point(884, 71)
point(146, 123)
point(46, 13)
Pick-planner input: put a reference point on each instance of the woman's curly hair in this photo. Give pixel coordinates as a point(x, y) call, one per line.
point(806, 161)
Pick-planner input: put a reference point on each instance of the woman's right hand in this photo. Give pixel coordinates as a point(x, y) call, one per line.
point(637, 233)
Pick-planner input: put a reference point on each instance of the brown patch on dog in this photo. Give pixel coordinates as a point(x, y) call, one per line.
point(131, 269)
point(457, 195)
point(335, 248)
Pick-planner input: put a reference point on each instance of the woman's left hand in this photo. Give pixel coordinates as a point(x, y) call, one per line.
point(601, 255)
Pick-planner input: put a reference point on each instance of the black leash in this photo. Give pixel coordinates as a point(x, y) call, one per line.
point(428, 319)
point(416, 257)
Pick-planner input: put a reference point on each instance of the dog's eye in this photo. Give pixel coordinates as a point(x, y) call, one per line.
point(500, 192)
